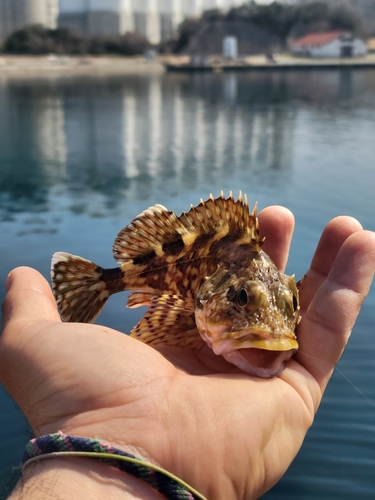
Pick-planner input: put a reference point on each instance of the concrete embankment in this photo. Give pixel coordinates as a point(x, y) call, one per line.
point(54, 65)
point(260, 63)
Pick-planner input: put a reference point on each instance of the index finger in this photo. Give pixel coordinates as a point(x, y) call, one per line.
point(276, 224)
point(333, 237)
point(327, 324)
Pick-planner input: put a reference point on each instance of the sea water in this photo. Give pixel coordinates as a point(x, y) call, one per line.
point(80, 157)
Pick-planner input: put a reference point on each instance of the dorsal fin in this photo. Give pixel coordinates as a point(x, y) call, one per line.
point(147, 232)
point(157, 226)
point(224, 215)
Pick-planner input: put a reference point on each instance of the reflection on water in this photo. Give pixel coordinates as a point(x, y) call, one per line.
point(123, 139)
point(80, 157)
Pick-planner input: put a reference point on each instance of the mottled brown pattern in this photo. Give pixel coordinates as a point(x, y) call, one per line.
point(173, 247)
point(201, 273)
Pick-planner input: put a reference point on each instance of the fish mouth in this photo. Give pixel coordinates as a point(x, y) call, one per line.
point(261, 363)
point(256, 352)
point(255, 338)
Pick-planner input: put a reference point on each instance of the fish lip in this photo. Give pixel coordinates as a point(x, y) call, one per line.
point(225, 343)
point(225, 340)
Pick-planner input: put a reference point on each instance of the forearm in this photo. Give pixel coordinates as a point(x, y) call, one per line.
point(76, 478)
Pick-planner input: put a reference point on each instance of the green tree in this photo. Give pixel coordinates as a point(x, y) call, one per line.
point(36, 40)
point(129, 44)
point(188, 28)
point(342, 18)
point(29, 40)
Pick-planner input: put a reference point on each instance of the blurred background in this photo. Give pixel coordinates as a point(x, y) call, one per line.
point(276, 99)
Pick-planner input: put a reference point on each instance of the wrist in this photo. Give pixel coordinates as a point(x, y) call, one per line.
point(79, 477)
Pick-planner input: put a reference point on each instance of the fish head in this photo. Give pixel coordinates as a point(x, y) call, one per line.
point(249, 316)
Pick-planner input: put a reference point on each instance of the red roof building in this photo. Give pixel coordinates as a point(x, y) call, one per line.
point(328, 44)
point(318, 39)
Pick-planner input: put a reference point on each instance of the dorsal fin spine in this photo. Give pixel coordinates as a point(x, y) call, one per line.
point(156, 225)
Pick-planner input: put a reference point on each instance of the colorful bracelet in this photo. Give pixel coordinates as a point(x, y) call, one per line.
point(59, 444)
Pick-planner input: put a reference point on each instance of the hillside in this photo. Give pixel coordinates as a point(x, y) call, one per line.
point(262, 28)
point(251, 38)
point(362, 9)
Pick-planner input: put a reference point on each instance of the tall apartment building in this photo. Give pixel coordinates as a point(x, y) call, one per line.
point(155, 19)
point(17, 13)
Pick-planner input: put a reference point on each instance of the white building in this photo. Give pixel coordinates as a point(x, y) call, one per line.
point(155, 19)
point(329, 44)
point(230, 47)
point(15, 14)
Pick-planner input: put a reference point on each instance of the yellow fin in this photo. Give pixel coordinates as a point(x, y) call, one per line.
point(169, 321)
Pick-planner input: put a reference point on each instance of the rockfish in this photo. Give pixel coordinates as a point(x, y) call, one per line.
point(205, 280)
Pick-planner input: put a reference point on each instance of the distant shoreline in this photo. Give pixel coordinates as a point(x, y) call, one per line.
point(283, 62)
point(55, 66)
point(218, 68)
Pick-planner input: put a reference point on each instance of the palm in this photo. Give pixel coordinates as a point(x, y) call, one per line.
point(229, 435)
point(111, 396)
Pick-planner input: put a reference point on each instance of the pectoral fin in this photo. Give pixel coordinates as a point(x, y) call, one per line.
point(169, 321)
point(138, 299)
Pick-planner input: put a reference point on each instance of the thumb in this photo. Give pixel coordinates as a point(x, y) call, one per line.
point(29, 299)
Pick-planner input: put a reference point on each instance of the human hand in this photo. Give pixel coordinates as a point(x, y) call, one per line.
point(229, 435)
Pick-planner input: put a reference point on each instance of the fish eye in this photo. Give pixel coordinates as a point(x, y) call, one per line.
point(242, 297)
point(252, 295)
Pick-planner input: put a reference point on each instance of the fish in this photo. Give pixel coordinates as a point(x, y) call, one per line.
point(204, 279)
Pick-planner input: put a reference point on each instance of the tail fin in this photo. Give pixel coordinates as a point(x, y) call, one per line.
point(79, 288)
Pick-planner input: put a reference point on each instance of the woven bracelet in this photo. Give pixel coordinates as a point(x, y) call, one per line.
point(59, 444)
